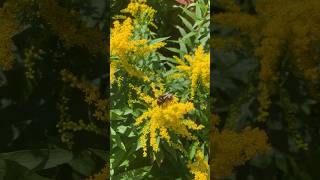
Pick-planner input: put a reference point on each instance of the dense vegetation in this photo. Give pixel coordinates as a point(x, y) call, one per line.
point(120, 89)
point(53, 89)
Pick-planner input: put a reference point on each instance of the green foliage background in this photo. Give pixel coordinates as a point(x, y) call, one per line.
point(30, 143)
point(294, 110)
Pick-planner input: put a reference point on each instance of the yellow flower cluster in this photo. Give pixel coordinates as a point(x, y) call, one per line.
point(67, 127)
point(8, 28)
point(225, 43)
point(139, 9)
point(125, 48)
point(231, 149)
point(122, 46)
point(92, 95)
point(65, 24)
point(69, 28)
point(199, 168)
point(197, 68)
point(102, 175)
point(31, 55)
point(279, 26)
point(160, 120)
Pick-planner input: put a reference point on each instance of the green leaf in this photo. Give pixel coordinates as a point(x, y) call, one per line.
point(192, 151)
point(100, 153)
point(183, 47)
point(134, 174)
point(32, 158)
point(58, 157)
point(198, 12)
point(189, 13)
point(190, 34)
point(281, 162)
point(83, 164)
point(117, 159)
point(115, 115)
point(171, 151)
point(176, 50)
point(26, 158)
point(186, 23)
point(19, 172)
point(122, 129)
point(158, 40)
point(117, 139)
point(127, 111)
point(181, 30)
point(204, 40)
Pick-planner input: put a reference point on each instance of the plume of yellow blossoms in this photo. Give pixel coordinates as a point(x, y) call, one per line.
point(197, 68)
point(231, 149)
point(69, 28)
point(199, 168)
point(127, 49)
point(139, 9)
point(92, 96)
point(281, 28)
point(8, 28)
point(159, 120)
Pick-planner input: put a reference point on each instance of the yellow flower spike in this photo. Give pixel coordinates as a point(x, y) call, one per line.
point(8, 28)
point(140, 9)
point(233, 149)
point(161, 120)
point(200, 167)
point(65, 25)
point(142, 96)
point(165, 135)
point(196, 68)
point(124, 48)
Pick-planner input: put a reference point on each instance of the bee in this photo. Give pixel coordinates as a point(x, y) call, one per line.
point(164, 98)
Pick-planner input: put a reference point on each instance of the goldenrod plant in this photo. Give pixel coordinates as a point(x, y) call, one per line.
point(266, 70)
point(159, 89)
point(159, 110)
